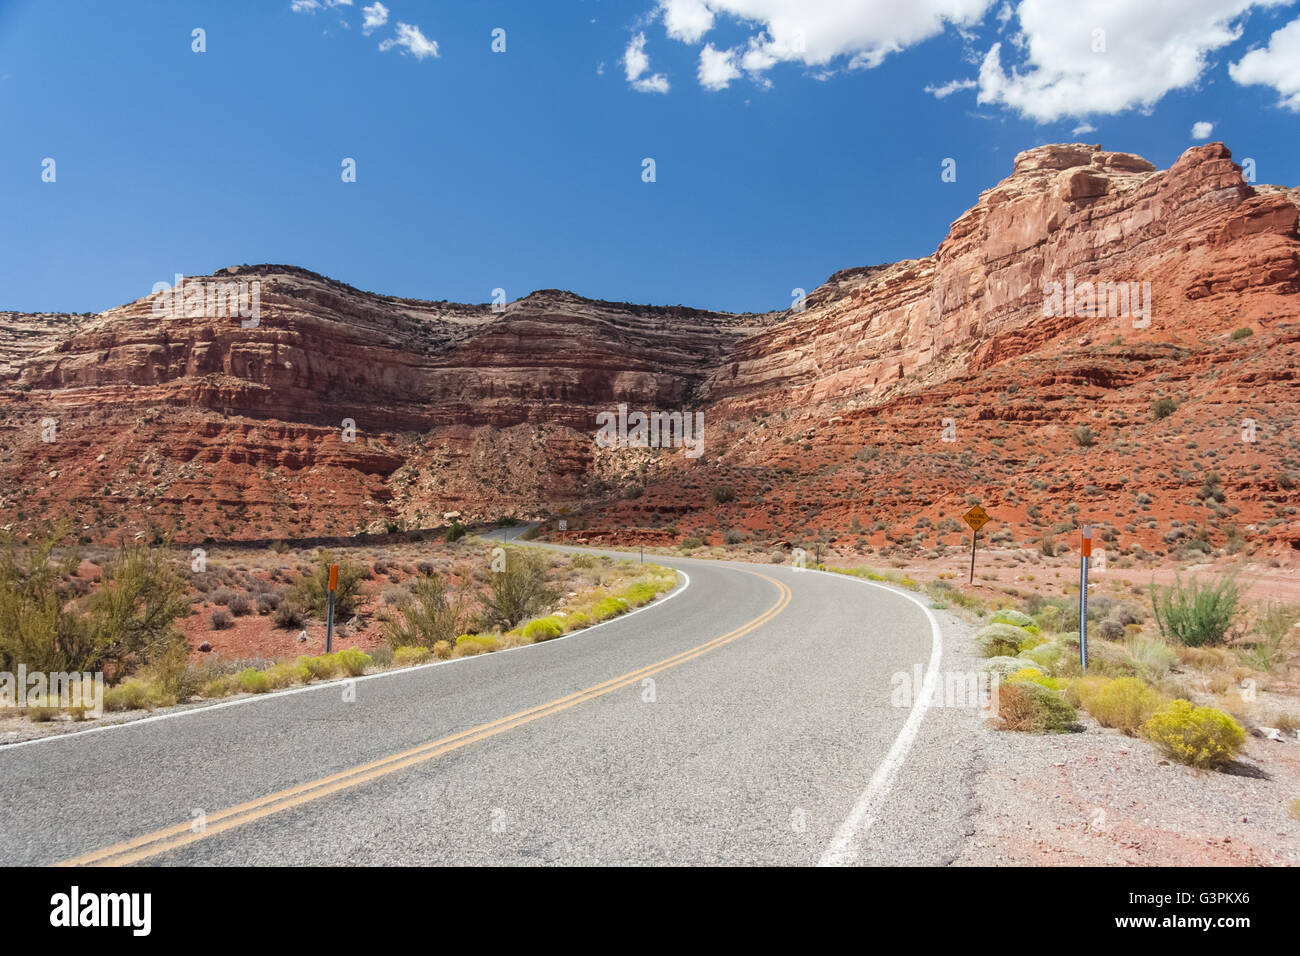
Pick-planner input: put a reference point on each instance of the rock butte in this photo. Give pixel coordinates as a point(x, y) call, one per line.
point(827, 420)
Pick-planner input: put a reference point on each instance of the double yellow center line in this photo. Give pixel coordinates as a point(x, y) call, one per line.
point(182, 834)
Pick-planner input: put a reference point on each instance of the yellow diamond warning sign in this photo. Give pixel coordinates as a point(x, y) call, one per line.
point(977, 518)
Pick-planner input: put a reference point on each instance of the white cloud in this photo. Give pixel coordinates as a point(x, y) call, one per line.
point(1277, 65)
point(1202, 130)
point(949, 88)
point(686, 20)
point(717, 68)
point(816, 32)
point(412, 41)
point(311, 6)
point(1085, 57)
point(636, 63)
point(376, 15)
point(1083, 129)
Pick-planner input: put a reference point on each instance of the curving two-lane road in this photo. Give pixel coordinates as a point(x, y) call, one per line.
point(745, 719)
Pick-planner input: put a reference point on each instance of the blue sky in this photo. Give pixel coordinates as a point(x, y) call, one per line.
point(791, 138)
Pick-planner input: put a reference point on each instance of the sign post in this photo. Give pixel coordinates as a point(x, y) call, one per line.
point(1085, 552)
point(977, 518)
point(329, 614)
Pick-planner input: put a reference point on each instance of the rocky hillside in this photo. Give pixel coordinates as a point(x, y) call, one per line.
point(872, 417)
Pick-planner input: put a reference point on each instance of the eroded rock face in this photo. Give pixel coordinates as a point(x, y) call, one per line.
point(203, 426)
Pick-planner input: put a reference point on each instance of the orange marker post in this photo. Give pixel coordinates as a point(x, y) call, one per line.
point(329, 615)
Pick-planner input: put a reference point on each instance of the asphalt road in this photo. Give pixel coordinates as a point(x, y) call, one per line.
point(749, 718)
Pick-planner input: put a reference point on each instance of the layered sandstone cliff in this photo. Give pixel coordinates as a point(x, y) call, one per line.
point(899, 392)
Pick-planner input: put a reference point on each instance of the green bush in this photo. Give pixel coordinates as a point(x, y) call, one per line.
point(1028, 706)
point(1196, 614)
point(543, 628)
point(1244, 332)
point(1163, 408)
point(1008, 616)
point(1198, 736)
point(454, 532)
point(691, 543)
point(253, 681)
point(723, 494)
point(607, 608)
point(432, 614)
point(286, 674)
point(1125, 703)
point(1001, 640)
point(520, 591)
point(126, 623)
point(577, 620)
point(132, 694)
point(410, 656)
point(352, 661)
point(310, 593)
point(317, 668)
point(468, 645)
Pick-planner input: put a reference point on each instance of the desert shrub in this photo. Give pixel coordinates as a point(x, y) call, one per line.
point(1151, 658)
point(1045, 655)
point(1084, 436)
point(397, 596)
point(285, 674)
point(1000, 640)
point(1198, 736)
point(126, 622)
point(1125, 703)
point(352, 661)
point(1242, 333)
point(1196, 614)
point(410, 656)
point(518, 592)
point(131, 694)
point(455, 531)
point(1111, 630)
point(443, 650)
point(1054, 617)
point(607, 608)
point(318, 668)
point(287, 617)
point(543, 628)
point(221, 619)
point(468, 645)
point(723, 494)
point(1273, 627)
point(577, 620)
point(222, 686)
point(734, 536)
point(267, 602)
point(1047, 546)
point(692, 542)
point(253, 681)
point(310, 592)
point(240, 605)
point(381, 656)
point(1017, 618)
point(1028, 706)
point(1163, 408)
point(430, 614)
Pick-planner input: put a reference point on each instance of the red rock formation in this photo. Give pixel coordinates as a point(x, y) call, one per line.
point(818, 419)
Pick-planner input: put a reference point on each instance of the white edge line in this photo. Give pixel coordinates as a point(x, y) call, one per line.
point(308, 688)
point(843, 848)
